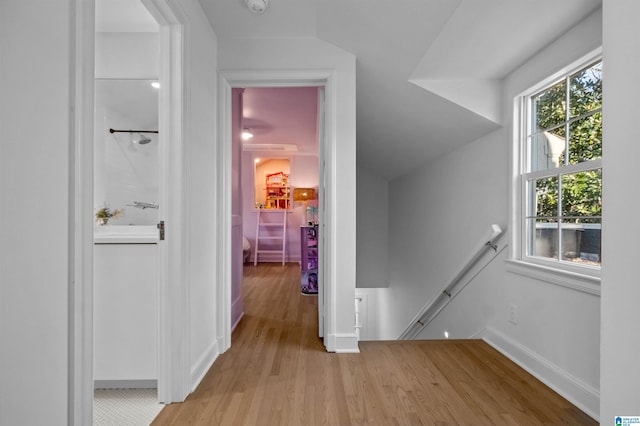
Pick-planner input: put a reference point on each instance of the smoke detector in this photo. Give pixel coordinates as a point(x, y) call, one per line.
point(257, 6)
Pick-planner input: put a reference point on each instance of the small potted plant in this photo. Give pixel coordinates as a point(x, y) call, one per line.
point(105, 213)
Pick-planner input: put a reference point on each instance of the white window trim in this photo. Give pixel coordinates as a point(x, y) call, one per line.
point(578, 277)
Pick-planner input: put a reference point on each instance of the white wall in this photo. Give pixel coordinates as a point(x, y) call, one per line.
point(35, 139)
point(620, 372)
point(34, 228)
point(437, 215)
point(312, 54)
point(200, 157)
point(440, 212)
point(372, 228)
point(127, 55)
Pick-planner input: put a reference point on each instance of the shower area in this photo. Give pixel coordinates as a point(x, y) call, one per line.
point(126, 152)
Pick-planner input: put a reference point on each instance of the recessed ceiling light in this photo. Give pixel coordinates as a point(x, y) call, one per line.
point(246, 134)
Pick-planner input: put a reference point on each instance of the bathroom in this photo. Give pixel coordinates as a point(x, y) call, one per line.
point(126, 199)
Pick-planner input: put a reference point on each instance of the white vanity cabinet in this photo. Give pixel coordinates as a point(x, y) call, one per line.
point(125, 314)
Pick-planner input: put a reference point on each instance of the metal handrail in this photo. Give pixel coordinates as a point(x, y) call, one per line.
point(432, 308)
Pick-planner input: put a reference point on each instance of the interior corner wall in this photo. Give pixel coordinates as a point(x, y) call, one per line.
point(35, 249)
point(200, 135)
point(437, 216)
point(372, 230)
point(620, 346)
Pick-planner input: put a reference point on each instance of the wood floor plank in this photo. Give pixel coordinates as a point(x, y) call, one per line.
point(277, 372)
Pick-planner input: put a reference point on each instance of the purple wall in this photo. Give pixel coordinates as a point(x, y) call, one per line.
point(236, 209)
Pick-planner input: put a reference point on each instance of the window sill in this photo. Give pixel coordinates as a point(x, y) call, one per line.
point(573, 280)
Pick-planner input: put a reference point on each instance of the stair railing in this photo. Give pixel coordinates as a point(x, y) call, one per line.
point(432, 308)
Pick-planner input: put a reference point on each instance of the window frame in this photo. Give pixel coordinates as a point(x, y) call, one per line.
point(577, 276)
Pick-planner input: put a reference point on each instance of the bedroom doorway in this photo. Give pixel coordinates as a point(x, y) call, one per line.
point(276, 133)
point(324, 82)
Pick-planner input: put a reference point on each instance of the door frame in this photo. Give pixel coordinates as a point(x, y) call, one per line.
point(173, 290)
point(173, 347)
point(229, 80)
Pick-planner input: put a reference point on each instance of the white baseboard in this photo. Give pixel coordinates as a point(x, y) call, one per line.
point(235, 324)
point(343, 343)
point(203, 365)
point(574, 390)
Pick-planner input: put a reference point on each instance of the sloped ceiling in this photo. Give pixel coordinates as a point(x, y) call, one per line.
point(428, 71)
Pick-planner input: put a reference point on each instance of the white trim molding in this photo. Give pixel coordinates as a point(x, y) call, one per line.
point(574, 390)
point(573, 280)
point(229, 79)
point(571, 275)
point(343, 343)
point(173, 293)
point(203, 365)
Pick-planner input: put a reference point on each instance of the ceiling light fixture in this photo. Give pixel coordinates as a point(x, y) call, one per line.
point(257, 6)
point(246, 134)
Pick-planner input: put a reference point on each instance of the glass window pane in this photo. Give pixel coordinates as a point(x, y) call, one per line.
point(546, 198)
point(549, 109)
point(546, 150)
point(582, 195)
point(585, 139)
point(544, 238)
point(585, 90)
point(581, 241)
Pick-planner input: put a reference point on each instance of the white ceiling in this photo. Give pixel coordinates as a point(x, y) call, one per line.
point(458, 50)
point(428, 71)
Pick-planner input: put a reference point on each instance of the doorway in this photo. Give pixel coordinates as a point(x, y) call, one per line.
point(276, 179)
point(171, 317)
point(126, 205)
point(326, 214)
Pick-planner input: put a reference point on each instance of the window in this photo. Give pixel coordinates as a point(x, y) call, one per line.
point(560, 213)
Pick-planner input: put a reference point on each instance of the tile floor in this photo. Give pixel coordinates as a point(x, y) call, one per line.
point(125, 407)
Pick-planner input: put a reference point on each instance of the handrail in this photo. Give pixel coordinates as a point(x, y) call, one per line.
point(431, 309)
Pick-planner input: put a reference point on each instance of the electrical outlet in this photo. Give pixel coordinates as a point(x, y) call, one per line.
point(513, 314)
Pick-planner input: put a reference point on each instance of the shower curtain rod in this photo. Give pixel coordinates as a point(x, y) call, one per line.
point(132, 131)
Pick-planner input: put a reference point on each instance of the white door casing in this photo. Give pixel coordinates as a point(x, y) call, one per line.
point(242, 79)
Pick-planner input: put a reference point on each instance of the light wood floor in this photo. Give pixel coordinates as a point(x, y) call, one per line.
point(277, 373)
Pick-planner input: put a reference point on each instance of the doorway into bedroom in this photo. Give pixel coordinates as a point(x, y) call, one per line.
point(276, 188)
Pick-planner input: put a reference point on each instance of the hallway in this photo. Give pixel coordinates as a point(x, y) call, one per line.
point(277, 373)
